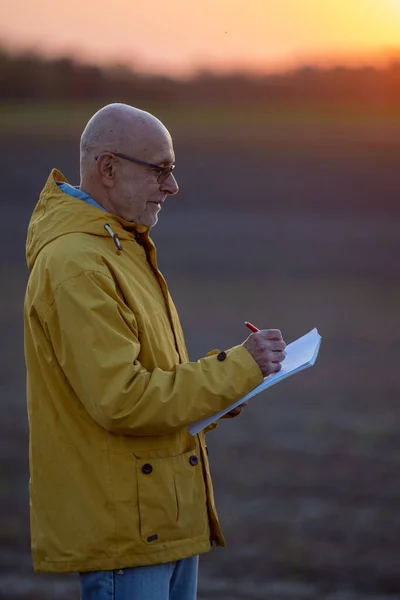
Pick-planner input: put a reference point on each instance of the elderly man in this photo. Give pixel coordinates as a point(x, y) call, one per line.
point(120, 492)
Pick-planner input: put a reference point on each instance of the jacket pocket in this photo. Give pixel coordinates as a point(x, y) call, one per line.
point(172, 498)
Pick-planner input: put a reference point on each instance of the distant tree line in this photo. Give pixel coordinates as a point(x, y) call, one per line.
point(31, 77)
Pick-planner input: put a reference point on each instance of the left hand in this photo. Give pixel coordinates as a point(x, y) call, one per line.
point(235, 412)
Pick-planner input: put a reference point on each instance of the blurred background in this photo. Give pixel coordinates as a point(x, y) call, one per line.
point(286, 122)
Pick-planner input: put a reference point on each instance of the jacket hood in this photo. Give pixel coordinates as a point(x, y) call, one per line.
point(57, 214)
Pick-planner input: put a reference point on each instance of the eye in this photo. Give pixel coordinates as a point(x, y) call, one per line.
point(158, 170)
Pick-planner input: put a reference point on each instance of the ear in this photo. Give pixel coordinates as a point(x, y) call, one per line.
point(106, 169)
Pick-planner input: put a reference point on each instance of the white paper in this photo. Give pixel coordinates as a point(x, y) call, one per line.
point(300, 355)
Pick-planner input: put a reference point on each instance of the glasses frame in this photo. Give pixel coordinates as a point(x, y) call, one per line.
point(163, 172)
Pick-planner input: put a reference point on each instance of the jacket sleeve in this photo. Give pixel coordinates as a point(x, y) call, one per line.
point(98, 353)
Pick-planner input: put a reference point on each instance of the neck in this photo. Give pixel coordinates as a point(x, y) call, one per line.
point(97, 194)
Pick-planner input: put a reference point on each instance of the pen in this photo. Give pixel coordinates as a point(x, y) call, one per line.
point(253, 328)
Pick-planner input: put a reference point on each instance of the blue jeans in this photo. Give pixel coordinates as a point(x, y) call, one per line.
point(169, 581)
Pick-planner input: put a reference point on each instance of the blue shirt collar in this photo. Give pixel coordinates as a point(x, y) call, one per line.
point(76, 192)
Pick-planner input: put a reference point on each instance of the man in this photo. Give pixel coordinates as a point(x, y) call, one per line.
point(120, 492)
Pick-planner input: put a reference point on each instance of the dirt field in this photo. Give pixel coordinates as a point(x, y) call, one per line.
point(287, 226)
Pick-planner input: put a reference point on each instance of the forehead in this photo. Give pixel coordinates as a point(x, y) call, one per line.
point(163, 156)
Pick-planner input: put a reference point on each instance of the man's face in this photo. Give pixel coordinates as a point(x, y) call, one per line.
point(140, 191)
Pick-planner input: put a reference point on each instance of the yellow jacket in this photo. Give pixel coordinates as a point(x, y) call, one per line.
point(116, 480)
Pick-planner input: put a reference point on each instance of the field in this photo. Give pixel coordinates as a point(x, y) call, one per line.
point(289, 220)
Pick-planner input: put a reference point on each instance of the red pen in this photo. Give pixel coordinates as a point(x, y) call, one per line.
point(252, 328)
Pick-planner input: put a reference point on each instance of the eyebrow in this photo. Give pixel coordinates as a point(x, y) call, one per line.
point(166, 163)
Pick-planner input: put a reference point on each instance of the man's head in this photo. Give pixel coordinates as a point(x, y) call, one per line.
point(132, 190)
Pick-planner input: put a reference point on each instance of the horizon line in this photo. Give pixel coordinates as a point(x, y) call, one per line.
point(379, 60)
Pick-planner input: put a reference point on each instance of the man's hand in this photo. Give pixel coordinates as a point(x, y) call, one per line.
point(267, 348)
point(235, 412)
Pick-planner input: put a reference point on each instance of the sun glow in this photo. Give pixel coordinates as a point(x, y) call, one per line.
point(181, 36)
point(395, 4)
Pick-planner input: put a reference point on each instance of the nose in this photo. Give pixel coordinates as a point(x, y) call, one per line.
point(170, 185)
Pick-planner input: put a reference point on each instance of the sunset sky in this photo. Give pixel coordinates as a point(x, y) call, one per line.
point(179, 36)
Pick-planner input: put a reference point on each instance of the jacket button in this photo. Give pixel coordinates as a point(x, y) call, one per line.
point(147, 469)
point(221, 355)
point(193, 460)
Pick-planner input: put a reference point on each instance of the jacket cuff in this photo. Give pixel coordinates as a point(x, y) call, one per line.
point(212, 352)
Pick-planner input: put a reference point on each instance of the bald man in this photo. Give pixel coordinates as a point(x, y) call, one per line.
point(120, 492)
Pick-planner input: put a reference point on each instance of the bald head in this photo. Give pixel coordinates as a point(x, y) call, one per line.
point(115, 143)
point(121, 128)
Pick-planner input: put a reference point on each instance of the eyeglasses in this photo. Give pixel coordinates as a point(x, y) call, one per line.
point(163, 172)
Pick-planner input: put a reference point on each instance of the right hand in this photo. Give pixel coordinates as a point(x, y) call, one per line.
point(267, 348)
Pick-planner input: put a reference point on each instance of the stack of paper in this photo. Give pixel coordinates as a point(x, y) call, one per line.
point(300, 355)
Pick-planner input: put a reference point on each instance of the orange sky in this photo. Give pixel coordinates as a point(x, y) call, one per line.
point(181, 35)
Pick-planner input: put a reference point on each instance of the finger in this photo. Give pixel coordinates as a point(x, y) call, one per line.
point(271, 334)
point(234, 412)
point(239, 408)
point(277, 356)
point(277, 346)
